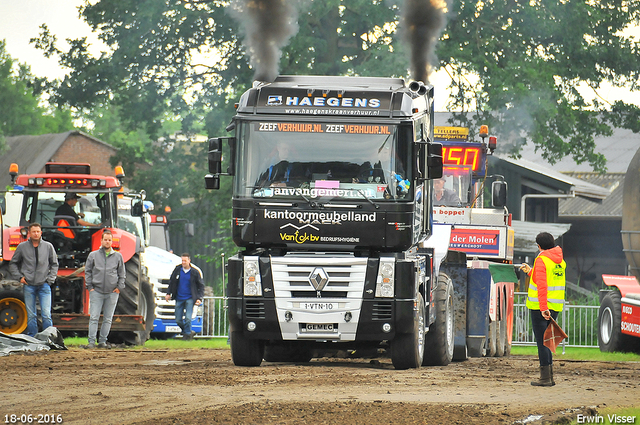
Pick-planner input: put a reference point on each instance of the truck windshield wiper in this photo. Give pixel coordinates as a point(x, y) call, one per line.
point(311, 203)
point(361, 192)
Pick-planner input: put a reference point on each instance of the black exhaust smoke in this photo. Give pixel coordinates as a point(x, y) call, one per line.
point(422, 22)
point(267, 26)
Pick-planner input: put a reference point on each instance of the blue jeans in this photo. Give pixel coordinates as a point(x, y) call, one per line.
point(184, 308)
point(105, 304)
point(539, 324)
point(43, 294)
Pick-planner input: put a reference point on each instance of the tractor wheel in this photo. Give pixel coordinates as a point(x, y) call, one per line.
point(407, 349)
point(13, 312)
point(610, 336)
point(439, 341)
point(137, 288)
point(245, 351)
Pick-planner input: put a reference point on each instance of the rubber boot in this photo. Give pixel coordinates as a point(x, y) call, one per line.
point(546, 377)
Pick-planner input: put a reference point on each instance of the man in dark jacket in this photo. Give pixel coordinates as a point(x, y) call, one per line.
point(186, 288)
point(35, 265)
point(104, 275)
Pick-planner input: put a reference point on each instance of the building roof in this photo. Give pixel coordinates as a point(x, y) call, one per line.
point(31, 153)
point(564, 182)
point(610, 207)
point(526, 232)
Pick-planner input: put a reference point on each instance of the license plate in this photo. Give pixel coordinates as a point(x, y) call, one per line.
point(172, 329)
point(318, 327)
point(317, 306)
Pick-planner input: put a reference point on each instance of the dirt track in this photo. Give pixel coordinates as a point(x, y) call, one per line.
point(203, 386)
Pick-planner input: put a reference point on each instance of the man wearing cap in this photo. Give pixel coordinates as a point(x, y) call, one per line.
point(443, 196)
point(66, 210)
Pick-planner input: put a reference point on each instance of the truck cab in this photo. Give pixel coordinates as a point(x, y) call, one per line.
point(331, 198)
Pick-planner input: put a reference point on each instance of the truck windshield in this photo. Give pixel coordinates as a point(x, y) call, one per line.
point(327, 161)
point(454, 189)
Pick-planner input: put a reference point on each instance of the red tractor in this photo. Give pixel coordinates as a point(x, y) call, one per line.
point(101, 205)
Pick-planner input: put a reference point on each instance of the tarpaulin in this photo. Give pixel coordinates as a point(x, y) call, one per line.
point(503, 272)
point(48, 339)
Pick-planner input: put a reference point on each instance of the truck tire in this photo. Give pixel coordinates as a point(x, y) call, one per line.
point(407, 349)
point(501, 331)
point(288, 353)
point(492, 345)
point(245, 351)
point(610, 336)
point(439, 341)
point(128, 304)
point(13, 312)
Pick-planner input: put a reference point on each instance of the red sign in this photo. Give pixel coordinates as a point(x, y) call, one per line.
point(630, 319)
point(476, 241)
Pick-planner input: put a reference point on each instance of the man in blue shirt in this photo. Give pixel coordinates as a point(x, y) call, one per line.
point(187, 289)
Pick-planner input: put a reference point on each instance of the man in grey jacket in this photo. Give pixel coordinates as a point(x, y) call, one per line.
point(35, 265)
point(104, 274)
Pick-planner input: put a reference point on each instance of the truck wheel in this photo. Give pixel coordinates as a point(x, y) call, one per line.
point(288, 353)
point(501, 331)
point(407, 349)
point(610, 336)
point(245, 351)
point(13, 312)
point(439, 341)
point(492, 346)
point(128, 303)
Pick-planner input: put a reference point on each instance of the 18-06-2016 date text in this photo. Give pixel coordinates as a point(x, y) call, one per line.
point(33, 419)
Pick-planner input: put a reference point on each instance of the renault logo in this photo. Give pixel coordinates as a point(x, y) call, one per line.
point(318, 278)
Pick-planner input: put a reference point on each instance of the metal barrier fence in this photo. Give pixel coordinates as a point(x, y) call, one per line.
point(215, 322)
point(580, 322)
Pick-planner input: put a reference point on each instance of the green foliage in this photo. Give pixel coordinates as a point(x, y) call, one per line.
point(21, 110)
point(530, 57)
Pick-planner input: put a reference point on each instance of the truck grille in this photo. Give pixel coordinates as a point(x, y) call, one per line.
point(382, 310)
point(345, 276)
point(254, 309)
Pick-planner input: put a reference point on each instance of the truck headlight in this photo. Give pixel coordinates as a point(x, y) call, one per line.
point(385, 280)
point(252, 279)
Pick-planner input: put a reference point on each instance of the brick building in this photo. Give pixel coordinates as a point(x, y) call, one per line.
point(31, 153)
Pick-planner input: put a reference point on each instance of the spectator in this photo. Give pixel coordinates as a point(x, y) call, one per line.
point(35, 265)
point(104, 275)
point(186, 288)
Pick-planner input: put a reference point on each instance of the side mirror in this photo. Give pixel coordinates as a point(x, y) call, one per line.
point(434, 160)
point(212, 181)
point(499, 194)
point(3, 204)
point(137, 209)
point(189, 229)
point(215, 156)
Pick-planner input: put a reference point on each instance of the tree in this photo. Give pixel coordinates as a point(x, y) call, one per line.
point(526, 59)
point(530, 57)
point(22, 109)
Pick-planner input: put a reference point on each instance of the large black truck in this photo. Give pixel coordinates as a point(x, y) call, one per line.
point(331, 208)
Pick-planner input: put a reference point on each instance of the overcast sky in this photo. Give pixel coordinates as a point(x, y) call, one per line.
point(20, 20)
